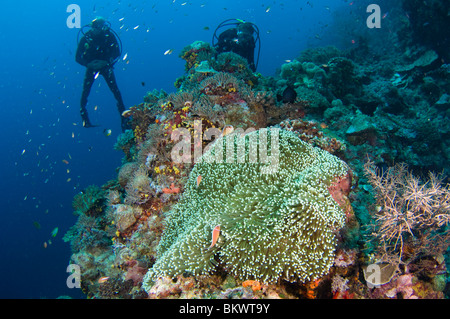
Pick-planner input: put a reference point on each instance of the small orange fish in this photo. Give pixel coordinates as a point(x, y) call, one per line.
point(215, 235)
point(65, 162)
point(126, 113)
point(103, 279)
point(199, 179)
point(227, 129)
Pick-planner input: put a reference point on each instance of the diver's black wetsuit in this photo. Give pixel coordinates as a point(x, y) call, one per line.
point(98, 45)
point(238, 42)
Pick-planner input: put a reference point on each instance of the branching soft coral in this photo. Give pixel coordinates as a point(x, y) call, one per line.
point(413, 216)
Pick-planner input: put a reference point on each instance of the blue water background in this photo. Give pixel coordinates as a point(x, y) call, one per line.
point(40, 90)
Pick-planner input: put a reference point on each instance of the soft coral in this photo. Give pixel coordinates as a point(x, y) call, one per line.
point(135, 272)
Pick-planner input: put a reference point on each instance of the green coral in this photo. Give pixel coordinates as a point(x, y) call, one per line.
point(305, 74)
point(89, 202)
point(277, 218)
point(126, 143)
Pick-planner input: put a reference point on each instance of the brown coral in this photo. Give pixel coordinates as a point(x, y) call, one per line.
point(139, 189)
point(259, 103)
point(182, 100)
point(125, 216)
point(140, 117)
point(310, 132)
point(204, 108)
point(412, 215)
point(221, 87)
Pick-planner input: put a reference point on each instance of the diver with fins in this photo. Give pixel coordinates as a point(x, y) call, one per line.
point(98, 50)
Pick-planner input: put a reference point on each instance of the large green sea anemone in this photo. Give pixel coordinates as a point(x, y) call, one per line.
point(277, 218)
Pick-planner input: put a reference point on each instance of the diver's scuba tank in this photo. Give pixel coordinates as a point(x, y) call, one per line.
point(234, 23)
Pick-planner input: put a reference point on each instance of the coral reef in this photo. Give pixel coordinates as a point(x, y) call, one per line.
point(89, 202)
point(202, 61)
point(411, 216)
point(178, 223)
point(311, 132)
point(195, 53)
point(282, 235)
point(140, 188)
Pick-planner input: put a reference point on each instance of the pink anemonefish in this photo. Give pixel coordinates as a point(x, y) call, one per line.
point(102, 280)
point(215, 235)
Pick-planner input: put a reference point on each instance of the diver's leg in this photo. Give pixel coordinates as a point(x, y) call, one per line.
point(89, 78)
point(110, 79)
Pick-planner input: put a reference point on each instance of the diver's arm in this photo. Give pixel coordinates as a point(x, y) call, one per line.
point(114, 49)
point(79, 56)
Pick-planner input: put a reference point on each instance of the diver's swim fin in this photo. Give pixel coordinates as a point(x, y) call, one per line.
point(88, 124)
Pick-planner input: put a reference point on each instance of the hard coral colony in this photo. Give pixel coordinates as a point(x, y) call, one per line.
point(289, 198)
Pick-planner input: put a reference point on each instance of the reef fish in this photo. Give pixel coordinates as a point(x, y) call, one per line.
point(126, 113)
point(54, 232)
point(227, 129)
point(288, 96)
point(103, 279)
point(215, 236)
point(199, 179)
point(107, 132)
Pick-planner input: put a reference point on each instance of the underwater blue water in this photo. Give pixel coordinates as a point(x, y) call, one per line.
point(48, 156)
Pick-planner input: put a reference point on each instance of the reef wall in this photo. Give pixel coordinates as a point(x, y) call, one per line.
point(246, 186)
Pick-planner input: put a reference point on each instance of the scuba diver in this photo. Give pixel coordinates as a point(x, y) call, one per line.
point(241, 38)
point(98, 50)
